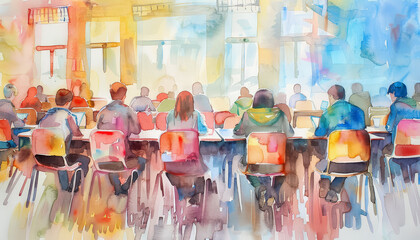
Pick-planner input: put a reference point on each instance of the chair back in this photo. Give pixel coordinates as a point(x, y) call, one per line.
point(107, 146)
point(209, 118)
point(88, 118)
point(46, 106)
point(48, 142)
point(31, 118)
point(304, 105)
point(231, 122)
point(266, 153)
point(161, 121)
point(51, 100)
point(407, 138)
point(5, 131)
point(219, 117)
point(378, 116)
point(99, 103)
point(180, 152)
point(145, 120)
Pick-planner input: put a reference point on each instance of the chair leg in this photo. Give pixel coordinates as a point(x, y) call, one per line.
point(23, 186)
point(372, 192)
point(11, 188)
point(36, 185)
point(30, 187)
point(74, 187)
point(389, 171)
point(100, 186)
point(90, 191)
point(11, 179)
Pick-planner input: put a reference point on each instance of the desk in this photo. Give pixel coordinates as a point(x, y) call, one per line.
point(305, 113)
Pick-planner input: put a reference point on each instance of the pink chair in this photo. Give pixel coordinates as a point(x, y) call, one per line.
point(108, 153)
point(161, 121)
point(180, 153)
point(219, 117)
point(209, 118)
point(231, 122)
point(146, 121)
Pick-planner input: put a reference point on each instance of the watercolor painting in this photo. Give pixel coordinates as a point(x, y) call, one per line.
point(209, 119)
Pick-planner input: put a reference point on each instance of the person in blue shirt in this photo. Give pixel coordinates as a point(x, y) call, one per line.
point(341, 115)
point(298, 96)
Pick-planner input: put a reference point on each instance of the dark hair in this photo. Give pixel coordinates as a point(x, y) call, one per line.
point(398, 89)
point(63, 96)
point(184, 106)
point(337, 92)
point(117, 91)
point(263, 98)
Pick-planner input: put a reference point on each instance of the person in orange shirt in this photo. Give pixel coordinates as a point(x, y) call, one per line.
point(31, 101)
point(77, 100)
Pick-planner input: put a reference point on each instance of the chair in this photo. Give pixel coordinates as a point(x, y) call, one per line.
point(108, 153)
point(231, 122)
point(145, 120)
point(180, 153)
point(304, 121)
point(348, 154)
point(89, 123)
point(32, 115)
point(266, 154)
point(209, 119)
point(46, 106)
point(51, 100)
point(378, 115)
point(406, 144)
point(99, 103)
point(161, 121)
point(219, 117)
point(6, 143)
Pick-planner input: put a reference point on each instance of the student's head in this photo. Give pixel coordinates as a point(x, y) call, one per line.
point(245, 92)
point(39, 89)
point(184, 106)
point(171, 95)
point(382, 91)
point(31, 92)
point(280, 98)
point(417, 88)
point(118, 91)
point(356, 88)
point(336, 93)
point(144, 92)
point(297, 88)
point(397, 90)
point(197, 88)
point(263, 99)
point(63, 98)
point(10, 91)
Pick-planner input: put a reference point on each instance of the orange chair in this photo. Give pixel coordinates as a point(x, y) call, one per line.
point(88, 121)
point(99, 103)
point(46, 106)
point(51, 100)
point(219, 117)
point(304, 122)
point(378, 115)
point(161, 121)
point(108, 153)
point(348, 154)
point(231, 122)
point(5, 134)
point(145, 120)
point(180, 153)
point(209, 118)
point(266, 154)
point(32, 115)
point(406, 143)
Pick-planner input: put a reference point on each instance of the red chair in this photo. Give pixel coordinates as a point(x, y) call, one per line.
point(231, 122)
point(180, 153)
point(108, 153)
point(5, 134)
point(406, 144)
point(146, 121)
point(219, 117)
point(209, 118)
point(266, 154)
point(161, 121)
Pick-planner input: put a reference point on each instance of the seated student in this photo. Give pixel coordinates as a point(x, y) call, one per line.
point(62, 118)
point(77, 100)
point(298, 96)
point(262, 117)
point(31, 101)
point(184, 117)
point(341, 115)
point(381, 100)
point(416, 95)
point(167, 104)
point(142, 103)
point(243, 103)
point(361, 99)
point(8, 112)
point(162, 95)
point(118, 116)
point(40, 95)
point(280, 102)
point(201, 101)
